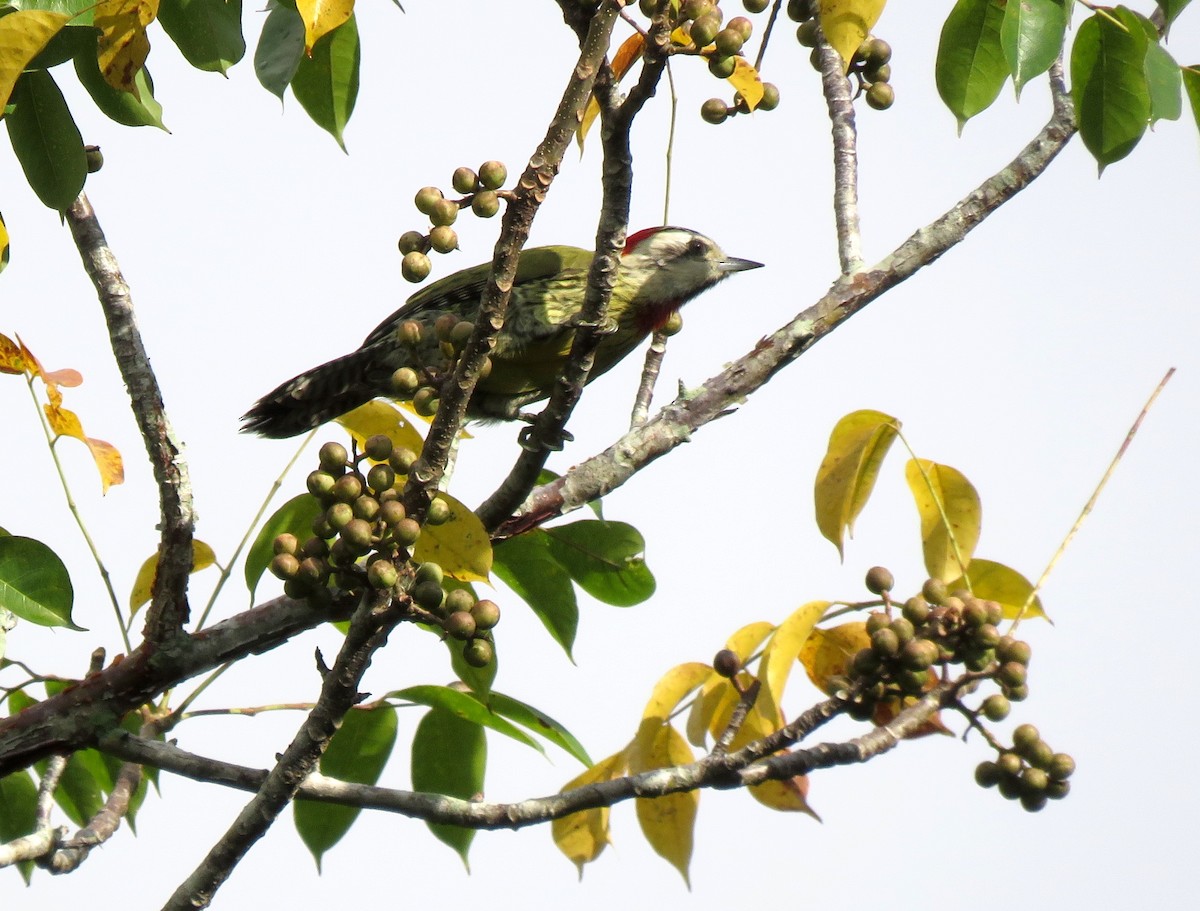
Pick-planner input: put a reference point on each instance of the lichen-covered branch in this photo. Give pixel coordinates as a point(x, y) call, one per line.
point(168, 610)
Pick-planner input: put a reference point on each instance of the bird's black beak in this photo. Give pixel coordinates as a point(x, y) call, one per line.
point(733, 264)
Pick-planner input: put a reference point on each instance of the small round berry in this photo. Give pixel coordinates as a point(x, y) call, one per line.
point(284, 566)
point(885, 643)
point(987, 774)
point(903, 629)
point(492, 175)
point(425, 401)
point(918, 654)
point(916, 610)
point(430, 570)
point(95, 158)
point(722, 67)
point(726, 663)
point(882, 73)
point(1011, 674)
point(876, 52)
point(357, 534)
point(428, 594)
point(799, 10)
point(402, 460)
point(728, 41)
point(411, 242)
point(438, 513)
point(392, 512)
point(461, 334)
point(285, 544)
point(405, 382)
point(755, 6)
point(339, 515)
point(770, 97)
point(742, 26)
point(443, 239)
point(444, 212)
point(1061, 766)
point(479, 653)
point(382, 574)
point(934, 591)
point(320, 484)
point(378, 447)
point(996, 707)
point(381, 477)
point(486, 613)
point(1010, 649)
point(808, 33)
point(426, 199)
point(714, 111)
point(1025, 736)
point(463, 180)
point(406, 532)
point(333, 457)
point(415, 267)
point(880, 580)
point(1010, 764)
point(880, 96)
point(459, 599)
point(485, 203)
point(460, 625)
point(365, 508)
point(347, 488)
point(704, 30)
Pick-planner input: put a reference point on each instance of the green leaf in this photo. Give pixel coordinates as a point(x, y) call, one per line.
point(18, 811)
point(46, 141)
point(207, 32)
point(72, 41)
point(971, 69)
point(466, 707)
point(856, 450)
point(124, 108)
point(357, 753)
point(293, 517)
point(538, 722)
point(1031, 37)
point(280, 47)
point(326, 84)
point(606, 559)
point(1171, 10)
point(34, 583)
point(449, 756)
point(1191, 82)
point(23, 35)
point(524, 563)
point(1164, 82)
point(1108, 82)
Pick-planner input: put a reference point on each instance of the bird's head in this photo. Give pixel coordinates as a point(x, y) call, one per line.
point(663, 268)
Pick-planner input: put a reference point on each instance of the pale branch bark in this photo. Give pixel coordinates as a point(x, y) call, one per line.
point(373, 621)
point(758, 762)
point(676, 422)
point(651, 367)
point(526, 198)
point(840, 102)
point(76, 717)
point(616, 119)
point(168, 610)
point(100, 828)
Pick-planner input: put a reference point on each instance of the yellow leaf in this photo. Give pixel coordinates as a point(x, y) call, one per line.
point(669, 822)
point(143, 585)
point(945, 495)
point(847, 474)
point(321, 17)
point(123, 46)
point(748, 638)
point(827, 652)
point(745, 80)
point(718, 695)
point(583, 836)
point(3, 241)
point(63, 422)
point(993, 581)
point(846, 23)
point(11, 358)
point(789, 795)
point(461, 545)
point(108, 462)
point(782, 651)
point(23, 34)
point(628, 53)
point(380, 417)
point(672, 688)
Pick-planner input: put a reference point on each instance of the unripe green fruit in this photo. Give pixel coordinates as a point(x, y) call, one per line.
point(463, 180)
point(880, 580)
point(648, 7)
point(297, 588)
point(415, 267)
point(95, 158)
point(934, 591)
point(885, 643)
point(429, 571)
point(877, 620)
point(1010, 649)
point(402, 460)
point(1057, 790)
point(339, 515)
point(444, 212)
point(391, 512)
point(865, 662)
point(438, 512)
point(284, 566)
point(1010, 764)
point(881, 73)
point(365, 508)
point(770, 98)
point(975, 613)
point(1061, 767)
point(357, 534)
point(986, 637)
point(876, 52)
point(443, 239)
point(1018, 693)
point(995, 612)
point(1025, 736)
point(315, 547)
point(405, 382)
point(459, 599)
point(347, 488)
point(406, 532)
point(426, 199)
point(460, 625)
point(486, 614)
point(332, 457)
point(987, 774)
point(485, 203)
point(321, 528)
point(704, 30)
point(381, 477)
point(382, 574)
point(722, 67)
point(755, 6)
point(378, 447)
point(425, 401)
point(913, 682)
point(428, 594)
point(1011, 674)
point(411, 242)
point(714, 111)
point(729, 42)
point(799, 10)
point(916, 610)
point(479, 653)
point(285, 544)
point(903, 629)
point(313, 570)
point(742, 26)
point(996, 707)
point(320, 484)
point(880, 96)
point(461, 334)
point(492, 175)
point(918, 654)
point(1033, 803)
point(808, 33)
point(694, 9)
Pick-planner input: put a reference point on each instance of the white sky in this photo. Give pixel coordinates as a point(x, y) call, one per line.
point(255, 249)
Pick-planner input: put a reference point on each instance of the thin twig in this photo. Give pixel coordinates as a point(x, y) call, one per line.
point(840, 104)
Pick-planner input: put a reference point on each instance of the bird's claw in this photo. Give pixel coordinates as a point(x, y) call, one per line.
point(526, 440)
point(606, 326)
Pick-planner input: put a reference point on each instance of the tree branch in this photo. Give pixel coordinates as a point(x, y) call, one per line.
point(168, 610)
point(677, 422)
point(838, 99)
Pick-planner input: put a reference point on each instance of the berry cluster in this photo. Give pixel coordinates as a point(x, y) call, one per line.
point(479, 190)
point(941, 628)
point(435, 346)
point(361, 541)
point(870, 65)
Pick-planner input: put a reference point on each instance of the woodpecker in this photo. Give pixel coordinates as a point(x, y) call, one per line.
point(661, 269)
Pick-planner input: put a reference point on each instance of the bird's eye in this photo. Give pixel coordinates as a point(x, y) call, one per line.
point(697, 246)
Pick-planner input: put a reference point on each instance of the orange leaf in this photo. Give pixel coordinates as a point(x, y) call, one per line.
point(11, 359)
point(64, 377)
point(108, 462)
point(64, 422)
point(628, 53)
